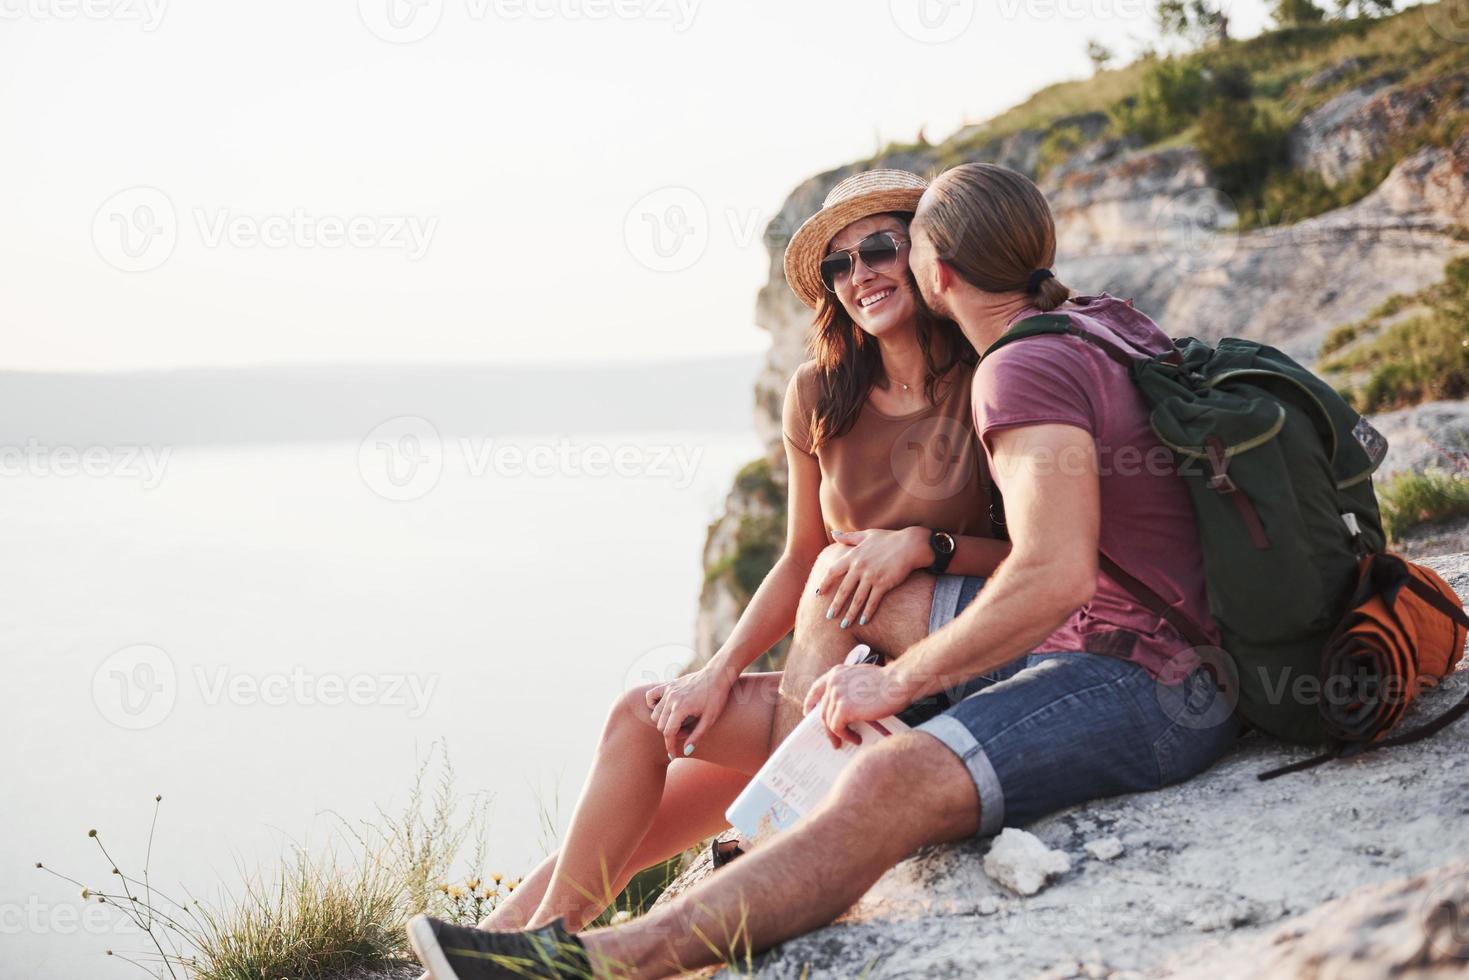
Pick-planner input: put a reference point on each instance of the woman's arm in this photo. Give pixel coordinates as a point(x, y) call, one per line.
point(772, 610)
point(881, 560)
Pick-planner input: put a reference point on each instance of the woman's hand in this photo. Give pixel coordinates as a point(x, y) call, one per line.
point(878, 561)
point(849, 693)
point(694, 699)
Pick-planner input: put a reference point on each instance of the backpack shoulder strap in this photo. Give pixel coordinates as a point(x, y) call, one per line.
point(1153, 602)
point(1057, 323)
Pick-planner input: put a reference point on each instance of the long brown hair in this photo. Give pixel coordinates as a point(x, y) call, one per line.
point(849, 363)
point(994, 227)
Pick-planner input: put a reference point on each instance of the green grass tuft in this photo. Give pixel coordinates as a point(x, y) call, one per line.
point(1413, 348)
point(1412, 499)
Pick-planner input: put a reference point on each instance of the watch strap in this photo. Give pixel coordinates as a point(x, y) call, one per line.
point(941, 558)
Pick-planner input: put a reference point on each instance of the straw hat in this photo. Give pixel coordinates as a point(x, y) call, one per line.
point(859, 196)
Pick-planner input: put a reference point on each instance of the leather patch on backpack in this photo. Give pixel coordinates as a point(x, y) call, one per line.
point(1373, 442)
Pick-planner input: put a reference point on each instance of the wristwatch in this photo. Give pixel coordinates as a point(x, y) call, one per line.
point(942, 543)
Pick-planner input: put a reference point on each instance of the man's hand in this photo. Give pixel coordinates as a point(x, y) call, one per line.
point(849, 693)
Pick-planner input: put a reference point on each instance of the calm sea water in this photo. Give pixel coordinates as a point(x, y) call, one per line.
point(266, 636)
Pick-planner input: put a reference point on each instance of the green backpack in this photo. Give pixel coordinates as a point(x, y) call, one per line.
point(1279, 469)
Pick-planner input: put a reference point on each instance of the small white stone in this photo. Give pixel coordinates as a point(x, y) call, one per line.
point(989, 905)
point(1019, 861)
point(1105, 848)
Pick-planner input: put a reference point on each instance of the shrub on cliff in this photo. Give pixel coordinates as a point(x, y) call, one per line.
point(1168, 100)
point(1239, 140)
point(1413, 348)
point(1293, 13)
point(1413, 499)
point(326, 911)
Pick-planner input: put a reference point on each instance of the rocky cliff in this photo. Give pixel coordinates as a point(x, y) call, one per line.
point(1153, 224)
point(1351, 870)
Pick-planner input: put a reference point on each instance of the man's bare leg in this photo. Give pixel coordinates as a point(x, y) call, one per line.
point(821, 643)
point(909, 791)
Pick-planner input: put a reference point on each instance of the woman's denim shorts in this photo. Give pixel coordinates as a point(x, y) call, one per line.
point(1052, 729)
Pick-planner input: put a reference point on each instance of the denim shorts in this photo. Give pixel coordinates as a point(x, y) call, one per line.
point(951, 593)
point(1052, 729)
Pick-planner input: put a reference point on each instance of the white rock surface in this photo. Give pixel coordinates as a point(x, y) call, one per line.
point(1022, 863)
point(1406, 928)
point(1434, 435)
point(1222, 858)
point(1104, 849)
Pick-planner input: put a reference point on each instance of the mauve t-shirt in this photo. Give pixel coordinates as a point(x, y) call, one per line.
point(1147, 522)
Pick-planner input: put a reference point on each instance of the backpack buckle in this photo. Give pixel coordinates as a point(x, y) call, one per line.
point(1219, 463)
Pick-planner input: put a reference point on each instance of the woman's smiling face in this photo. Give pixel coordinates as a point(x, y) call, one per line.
point(877, 302)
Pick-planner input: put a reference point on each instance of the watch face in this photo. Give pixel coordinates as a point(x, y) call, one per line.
point(945, 542)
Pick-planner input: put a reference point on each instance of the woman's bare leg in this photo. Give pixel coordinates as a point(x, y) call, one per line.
point(692, 810)
point(821, 643)
point(625, 787)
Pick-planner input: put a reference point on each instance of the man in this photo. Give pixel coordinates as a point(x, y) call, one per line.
point(1110, 704)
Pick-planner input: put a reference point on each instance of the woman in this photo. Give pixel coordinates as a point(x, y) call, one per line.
point(883, 462)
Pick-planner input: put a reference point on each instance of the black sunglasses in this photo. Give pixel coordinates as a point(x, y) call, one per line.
point(878, 251)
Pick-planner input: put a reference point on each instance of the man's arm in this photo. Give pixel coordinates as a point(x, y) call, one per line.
point(1052, 509)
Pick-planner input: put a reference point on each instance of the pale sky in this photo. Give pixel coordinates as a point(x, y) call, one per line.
point(391, 181)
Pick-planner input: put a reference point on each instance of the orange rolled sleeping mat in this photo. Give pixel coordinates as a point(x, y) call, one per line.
point(1405, 632)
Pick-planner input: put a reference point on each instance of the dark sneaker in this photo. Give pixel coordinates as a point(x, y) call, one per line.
point(721, 852)
point(451, 952)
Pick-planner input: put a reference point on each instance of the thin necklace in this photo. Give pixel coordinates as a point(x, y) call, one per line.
point(905, 386)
